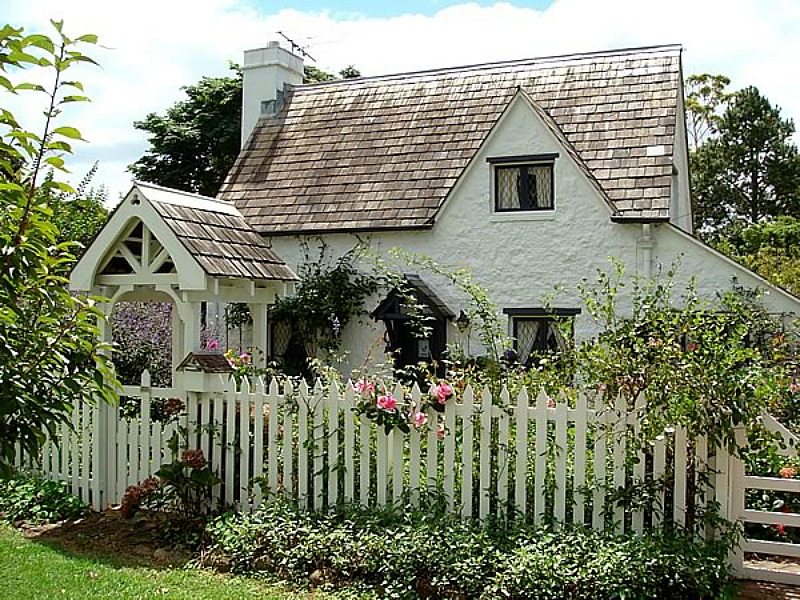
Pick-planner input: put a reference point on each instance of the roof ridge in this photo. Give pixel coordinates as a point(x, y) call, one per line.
point(163, 188)
point(187, 199)
point(576, 56)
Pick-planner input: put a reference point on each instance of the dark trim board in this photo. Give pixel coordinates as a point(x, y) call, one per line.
point(541, 312)
point(525, 158)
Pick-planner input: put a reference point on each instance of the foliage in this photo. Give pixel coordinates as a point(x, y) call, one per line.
point(771, 249)
point(142, 334)
point(705, 98)
point(330, 294)
point(50, 356)
point(406, 554)
point(312, 74)
point(81, 215)
point(750, 170)
point(182, 487)
point(37, 500)
point(195, 142)
point(708, 368)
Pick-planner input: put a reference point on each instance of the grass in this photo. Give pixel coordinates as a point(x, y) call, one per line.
point(33, 570)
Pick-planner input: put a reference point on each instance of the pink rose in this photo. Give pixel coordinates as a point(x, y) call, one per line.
point(787, 472)
point(550, 402)
point(387, 402)
point(440, 431)
point(364, 387)
point(212, 345)
point(419, 419)
point(442, 391)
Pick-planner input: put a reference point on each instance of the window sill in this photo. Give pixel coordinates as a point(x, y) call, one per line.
point(522, 215)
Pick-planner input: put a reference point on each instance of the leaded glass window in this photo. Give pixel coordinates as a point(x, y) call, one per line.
point(524, 187)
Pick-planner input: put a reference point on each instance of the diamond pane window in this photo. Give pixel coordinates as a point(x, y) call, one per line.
point(535, 336)
point(524, 187)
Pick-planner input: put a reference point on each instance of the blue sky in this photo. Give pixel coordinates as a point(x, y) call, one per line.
point(348, 9)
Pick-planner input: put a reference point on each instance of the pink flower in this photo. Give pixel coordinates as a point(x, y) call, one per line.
point(550, 402)
point(387, 402)
point(603, 387)
point(364, 387)
point(419, 419)
point(440, 431)
point(212, 345)
point(794, 387)
point(442, 391)
point(691, 346)
point(244, 357)
point(788, 472)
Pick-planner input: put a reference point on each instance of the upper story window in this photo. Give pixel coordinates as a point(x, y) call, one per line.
point(523, 183)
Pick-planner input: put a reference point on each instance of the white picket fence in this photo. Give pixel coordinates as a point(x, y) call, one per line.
point(551, 459)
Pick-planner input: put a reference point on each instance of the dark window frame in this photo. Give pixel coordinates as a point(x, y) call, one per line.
point(546, 315)
point(518, 163)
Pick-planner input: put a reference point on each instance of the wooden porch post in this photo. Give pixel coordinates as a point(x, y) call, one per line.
point(258, 311)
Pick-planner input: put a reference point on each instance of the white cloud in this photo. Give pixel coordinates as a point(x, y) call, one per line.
point(152, 48)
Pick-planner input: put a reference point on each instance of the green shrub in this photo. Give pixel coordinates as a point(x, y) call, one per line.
point(39, 500)
point(581, 563)
point(403, 554)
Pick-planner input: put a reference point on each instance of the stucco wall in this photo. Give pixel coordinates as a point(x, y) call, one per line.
point(521, 258)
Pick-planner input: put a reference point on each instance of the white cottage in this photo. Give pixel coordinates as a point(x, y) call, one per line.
point(532, 172)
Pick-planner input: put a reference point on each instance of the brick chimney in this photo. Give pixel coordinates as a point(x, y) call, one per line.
point(267, 75)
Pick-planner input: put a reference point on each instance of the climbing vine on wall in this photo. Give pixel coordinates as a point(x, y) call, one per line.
point(330, 294)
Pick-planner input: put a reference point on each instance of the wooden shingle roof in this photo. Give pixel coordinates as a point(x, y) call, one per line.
point(384, 152)
point(216, 235)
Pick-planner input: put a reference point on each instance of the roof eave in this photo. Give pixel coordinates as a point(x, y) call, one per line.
point(342, 230)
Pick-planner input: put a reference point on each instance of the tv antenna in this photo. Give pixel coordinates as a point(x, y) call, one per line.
point(297, 48)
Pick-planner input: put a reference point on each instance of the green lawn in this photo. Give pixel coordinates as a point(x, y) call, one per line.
point(32, 570)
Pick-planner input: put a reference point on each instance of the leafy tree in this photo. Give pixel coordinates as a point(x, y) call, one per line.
point(705, 98)
point(750, 170)
point(312, 74)
point(50, 356)
point(772, 249)
point(195, 143)
point(350, 72)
